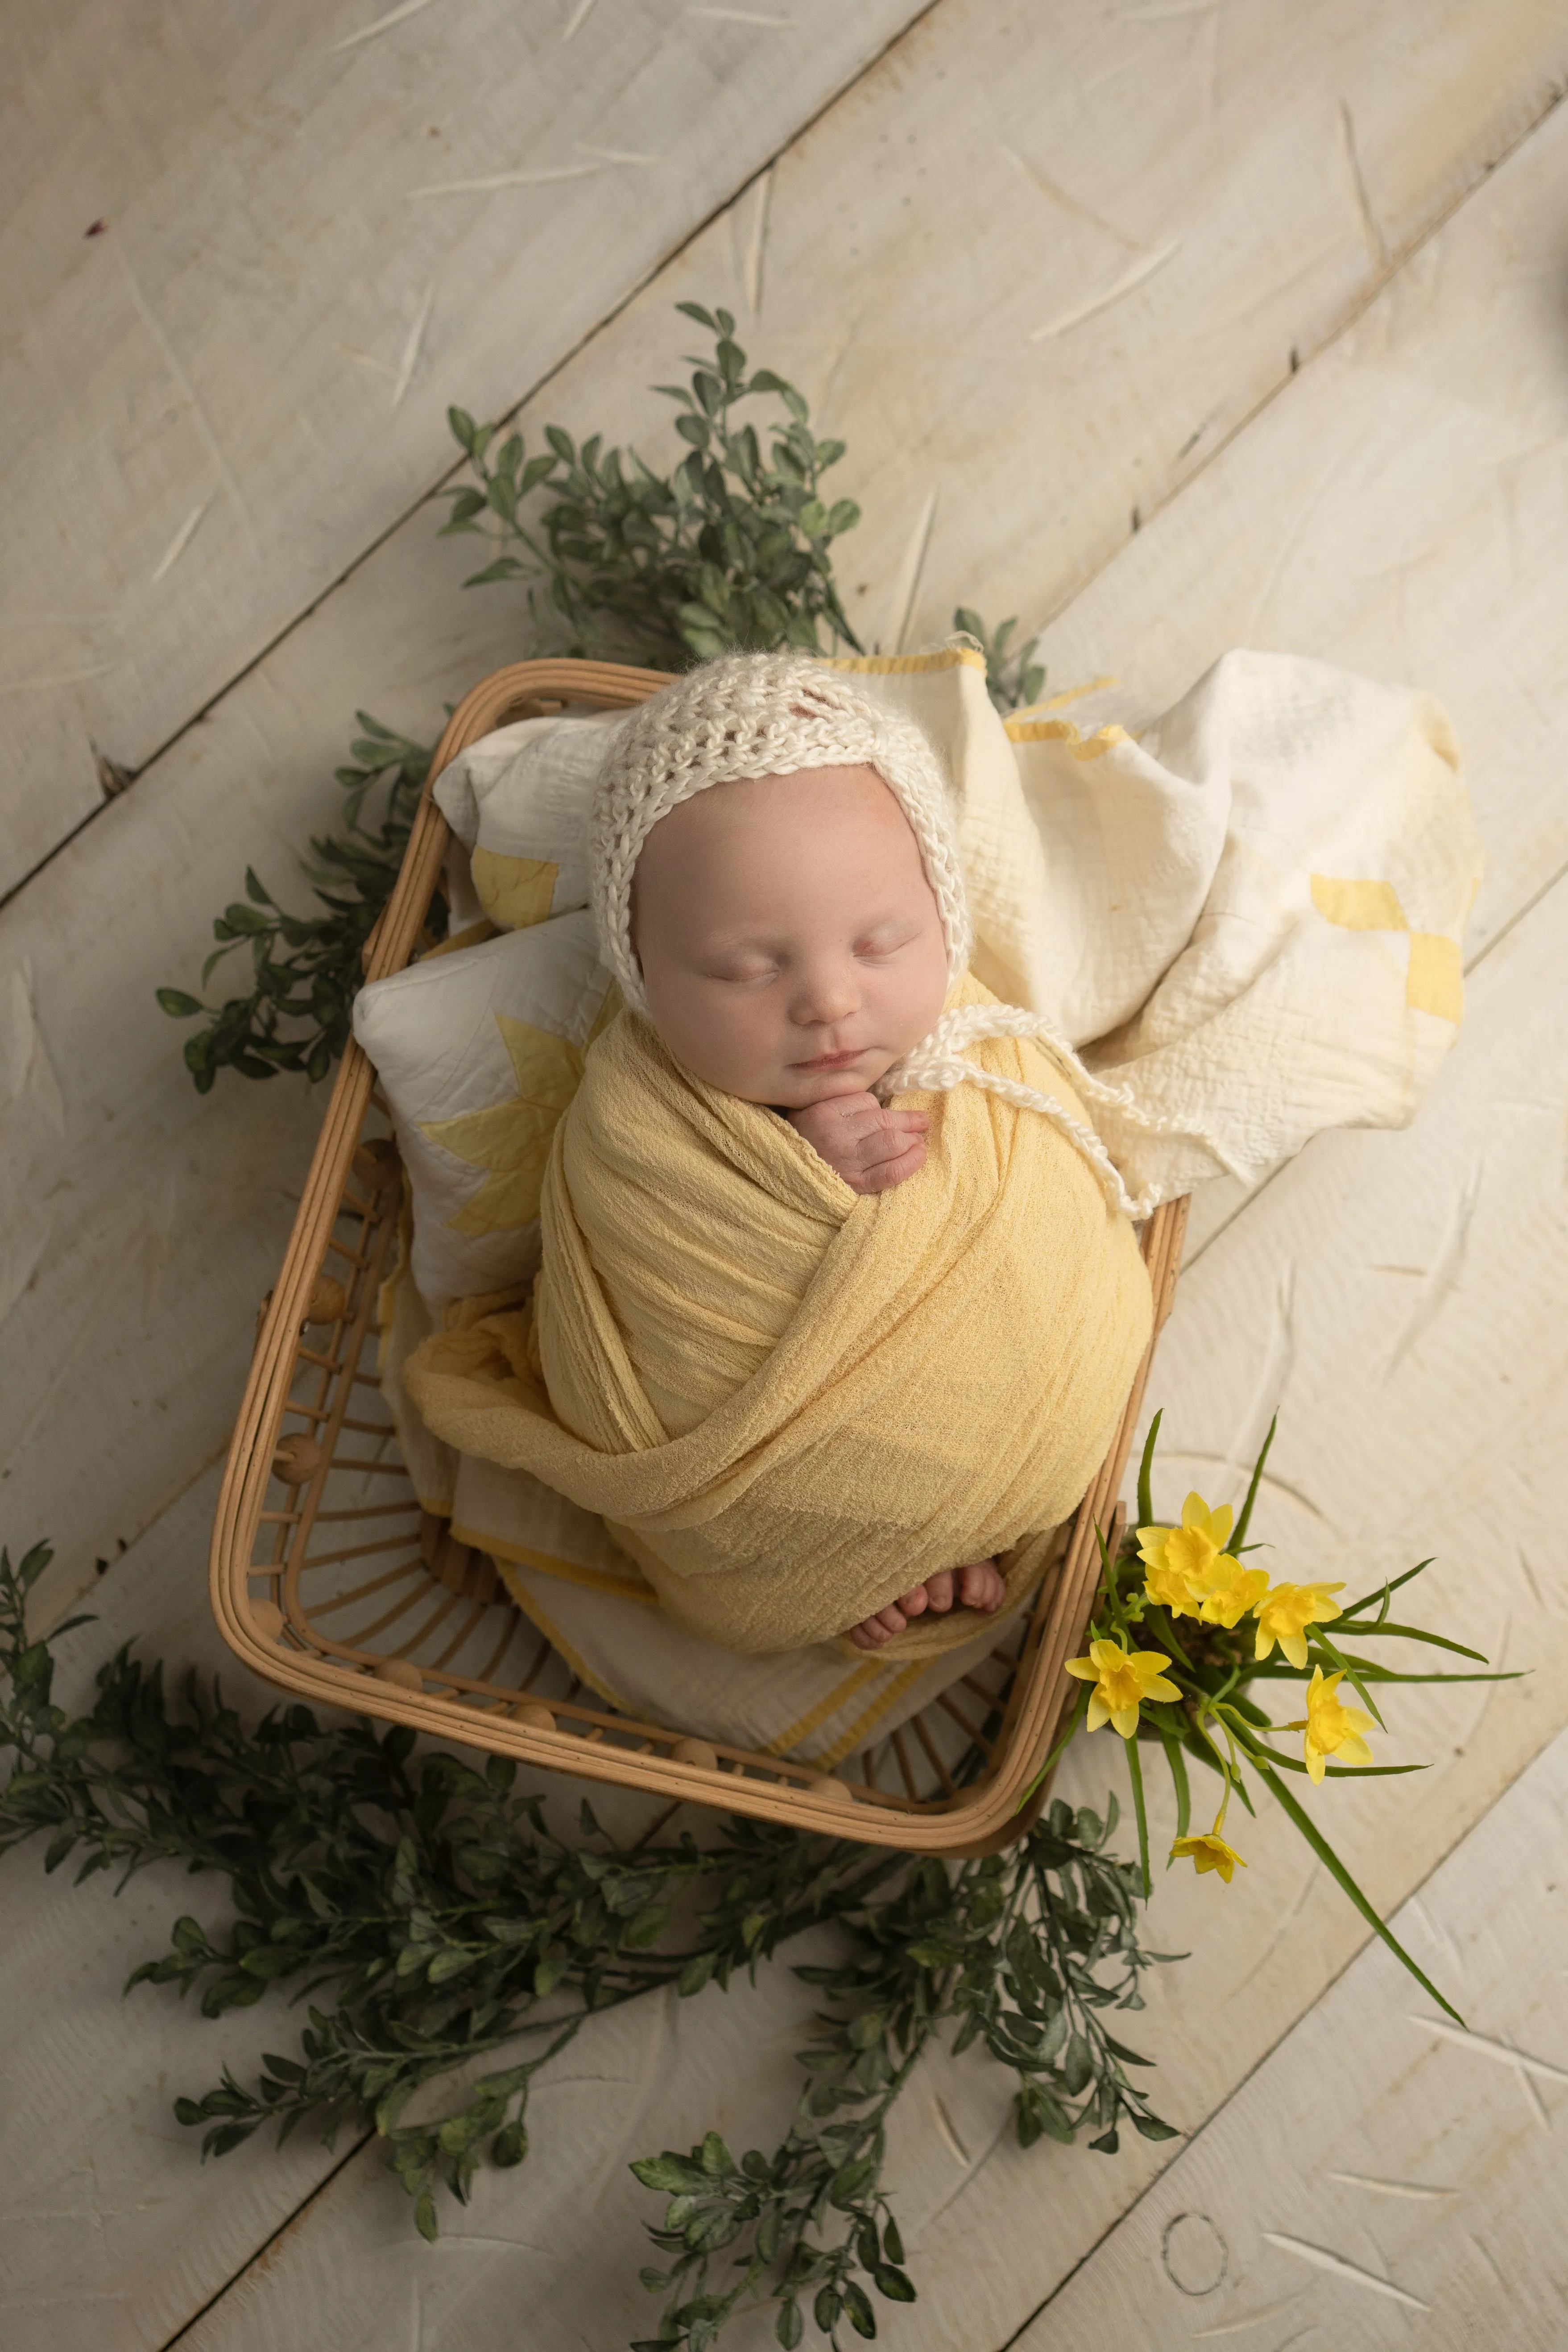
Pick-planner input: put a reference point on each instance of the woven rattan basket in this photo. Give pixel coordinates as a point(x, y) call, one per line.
point(328, 1578)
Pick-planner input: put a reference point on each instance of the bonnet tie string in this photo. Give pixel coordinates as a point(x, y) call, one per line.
point(938, 1063)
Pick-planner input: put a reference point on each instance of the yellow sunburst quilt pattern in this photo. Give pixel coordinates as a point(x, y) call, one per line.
point(510, 1140)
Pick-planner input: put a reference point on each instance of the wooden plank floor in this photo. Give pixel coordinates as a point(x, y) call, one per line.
point(1247, 330)
point(316, 226)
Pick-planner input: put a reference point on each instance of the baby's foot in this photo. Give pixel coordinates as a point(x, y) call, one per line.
point(979, 1585)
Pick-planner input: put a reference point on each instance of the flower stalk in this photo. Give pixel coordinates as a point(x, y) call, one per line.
point(1197, 1690)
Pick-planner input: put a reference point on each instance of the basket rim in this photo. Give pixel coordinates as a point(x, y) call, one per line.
point(977, 1819)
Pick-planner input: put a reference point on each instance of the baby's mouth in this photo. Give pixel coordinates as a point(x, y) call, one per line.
point(834, 1061)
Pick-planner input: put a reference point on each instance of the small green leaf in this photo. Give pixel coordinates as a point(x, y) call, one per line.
point(896, 2285)
point(850, 2179)
point(858, 2305)
point(669, 2172)
point(1152, 2127)
point(646, 1928)
point(449, 1964)
point(697, 1972)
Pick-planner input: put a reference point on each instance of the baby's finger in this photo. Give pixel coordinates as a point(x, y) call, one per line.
point(913, 1604)
point(939, 1589)
point(886, 1174)
point(852, 1114)
point(869, 1636)
point(884, 1142)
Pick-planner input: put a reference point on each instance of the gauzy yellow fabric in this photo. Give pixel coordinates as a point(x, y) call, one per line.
point(792, 1402)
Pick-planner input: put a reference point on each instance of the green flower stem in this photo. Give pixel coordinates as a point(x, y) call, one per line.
point(1382, 1595)
point(1352, 1674)
point(1332, 1863)
point(1135, 1774)
point(1177, 1765)
point(1146, 1473)
point(1272, 1673)
point(1239, 1532)
point(1407, 1633)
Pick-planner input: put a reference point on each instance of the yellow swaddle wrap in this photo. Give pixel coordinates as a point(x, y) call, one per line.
point(792, 1402)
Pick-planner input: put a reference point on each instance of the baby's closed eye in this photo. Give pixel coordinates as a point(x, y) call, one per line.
point(886, 940)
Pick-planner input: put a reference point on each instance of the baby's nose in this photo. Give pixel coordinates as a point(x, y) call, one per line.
point(825, 997)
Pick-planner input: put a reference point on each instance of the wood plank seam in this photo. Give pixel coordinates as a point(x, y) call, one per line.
point(1397, 260)
point(454, 472)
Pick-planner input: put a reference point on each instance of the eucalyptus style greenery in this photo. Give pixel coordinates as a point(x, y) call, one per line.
point(425, 1910)
point(729, 550)
point(306, 970)
point(432, 1923)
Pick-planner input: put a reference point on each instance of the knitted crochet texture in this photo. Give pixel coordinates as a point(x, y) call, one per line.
point(757, 715)
point(773, 715)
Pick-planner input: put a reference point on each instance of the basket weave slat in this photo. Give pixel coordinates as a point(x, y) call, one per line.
point(420, 1639)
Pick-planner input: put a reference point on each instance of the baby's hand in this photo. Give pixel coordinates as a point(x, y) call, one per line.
point(980, 1585)
point(870, 1148)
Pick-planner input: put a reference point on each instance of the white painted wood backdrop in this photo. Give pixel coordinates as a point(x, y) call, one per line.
point(1172, 326)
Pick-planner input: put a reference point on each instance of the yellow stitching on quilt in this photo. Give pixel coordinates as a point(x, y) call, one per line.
point(1077, 746)
point(570, 1571)
point(849, 1740)
point(907, 665)
point(537, 1617)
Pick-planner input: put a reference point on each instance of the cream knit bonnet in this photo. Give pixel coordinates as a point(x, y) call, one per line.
point(772, 715)
point(757, 715)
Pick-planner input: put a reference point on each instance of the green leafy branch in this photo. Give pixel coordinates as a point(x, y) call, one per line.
point(305, 971)
point(429, 1921)
point(731, 549)
point(1015, 680)
point(727, 552)
point(1022, 1951)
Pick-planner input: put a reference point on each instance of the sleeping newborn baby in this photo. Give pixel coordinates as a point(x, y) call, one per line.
point(836, 1312)
point(792, 951)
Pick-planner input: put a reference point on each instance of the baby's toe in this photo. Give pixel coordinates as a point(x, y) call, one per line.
point(983, 1585)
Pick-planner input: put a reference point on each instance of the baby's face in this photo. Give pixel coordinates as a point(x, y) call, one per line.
point(790, 944)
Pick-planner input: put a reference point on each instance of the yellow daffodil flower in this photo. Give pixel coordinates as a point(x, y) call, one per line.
point(1122, 1680)
point(1209, 1853)
point(1229, 1591)
point(1285, 1615)
point(1184, 1565)
point(1212, 1853)
point(1331, 1730)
